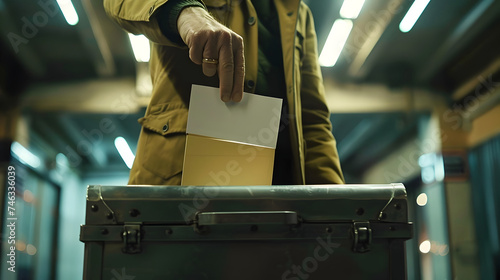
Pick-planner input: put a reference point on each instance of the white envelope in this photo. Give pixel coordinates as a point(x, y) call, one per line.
point(230, 143)
point(255, 120)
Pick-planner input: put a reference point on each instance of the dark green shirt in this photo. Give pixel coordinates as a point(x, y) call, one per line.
point(271, 82)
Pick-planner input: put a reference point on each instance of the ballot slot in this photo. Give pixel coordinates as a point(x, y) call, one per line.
point(247, 217)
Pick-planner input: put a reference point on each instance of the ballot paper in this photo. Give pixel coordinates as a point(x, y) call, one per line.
point(230, 143)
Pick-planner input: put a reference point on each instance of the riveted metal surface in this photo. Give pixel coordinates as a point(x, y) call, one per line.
point(254, 232)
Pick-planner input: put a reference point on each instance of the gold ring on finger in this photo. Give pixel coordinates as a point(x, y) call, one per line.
point(210, 60)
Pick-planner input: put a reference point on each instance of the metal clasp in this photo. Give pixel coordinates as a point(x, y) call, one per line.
point(131, 238)
point(362, 234)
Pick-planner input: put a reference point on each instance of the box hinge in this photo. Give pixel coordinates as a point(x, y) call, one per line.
point(131, 236)
point(362, 236)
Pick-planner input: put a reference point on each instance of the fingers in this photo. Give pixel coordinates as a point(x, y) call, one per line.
point(231, 67)
point(210, 57)
point(226, 67)
point(239, 70)
point(223, 53)
point(196, 46)
point(216, 48)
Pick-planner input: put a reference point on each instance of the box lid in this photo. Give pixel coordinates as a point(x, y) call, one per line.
point(177, 205)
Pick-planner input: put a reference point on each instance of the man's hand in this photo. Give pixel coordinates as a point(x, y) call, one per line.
point(210, 42)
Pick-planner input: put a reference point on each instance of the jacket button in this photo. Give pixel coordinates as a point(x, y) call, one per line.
point(250, 84)
point(165, 127)
point(251, 20)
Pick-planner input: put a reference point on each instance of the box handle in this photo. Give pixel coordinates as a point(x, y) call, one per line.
point(247, 217)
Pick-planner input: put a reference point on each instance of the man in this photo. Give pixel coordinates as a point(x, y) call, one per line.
point(259, 46)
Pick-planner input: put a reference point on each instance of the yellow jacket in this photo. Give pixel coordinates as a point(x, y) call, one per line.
point(161, 144)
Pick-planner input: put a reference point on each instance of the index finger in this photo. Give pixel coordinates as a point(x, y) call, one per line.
point(226, 68)
point(239, 69)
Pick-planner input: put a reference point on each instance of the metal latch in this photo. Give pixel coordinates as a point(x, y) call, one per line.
point(362, 234)
point(131, 238)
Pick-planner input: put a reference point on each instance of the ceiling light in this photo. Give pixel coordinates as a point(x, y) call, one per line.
point(411, 17)
point(68, 11)
point(335, 42)
point(351, 8)
point(24, 155)
point(125, 151)
point(140, 46)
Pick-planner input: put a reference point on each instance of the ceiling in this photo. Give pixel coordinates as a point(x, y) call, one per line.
point(451, 43)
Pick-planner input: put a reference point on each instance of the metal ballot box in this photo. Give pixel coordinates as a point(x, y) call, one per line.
point(246, 232)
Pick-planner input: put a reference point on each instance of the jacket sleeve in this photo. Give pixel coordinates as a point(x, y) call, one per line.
point(140, 17)
point(322, 165)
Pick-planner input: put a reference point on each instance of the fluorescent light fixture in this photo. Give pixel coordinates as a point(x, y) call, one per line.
point(125, 151)
point(411, 17)
point(24, 155)
point(432, 167)
point(426, 160)
point(439, 168)
point(140, 46)
point(335, 42)
point(68, 11)
point(351, 8)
